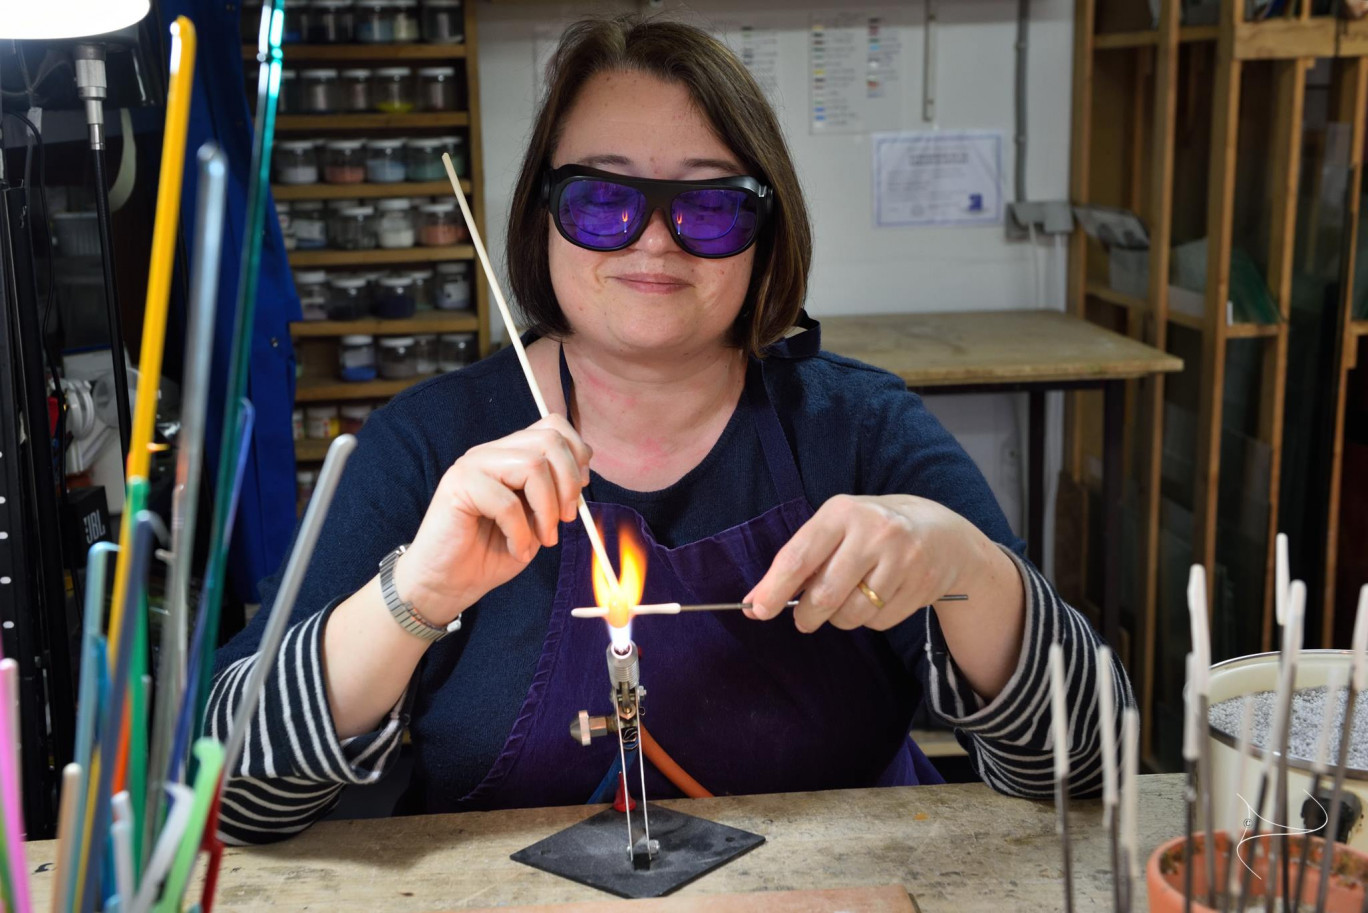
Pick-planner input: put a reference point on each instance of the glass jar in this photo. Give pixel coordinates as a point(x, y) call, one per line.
point(290, 98)
point(406, 25)
point(356, 90)
point(396, 358)
point(385, 161)
point(344, 161)
point(425, 354)
point(453, 286)
point(456, 145)
point(437, 89)
point(286, 226)
point(312, 286)
point(374, 22)
point(305, 480)
point(330, 22)
point(440, 225)
point(443, 22)
point(347, 298)
point(356, 358)
point(353, 228)
point(422, 288)
point(320, 92)
point(455, 351)
point(392, 90)
point(352, 416)
point(425, 159)
point(297, 424)
point(393, 299)
point(310, 224)
point(296, 162)
point(296, 25)
point(334, 205)
point(394, 227)
point(320, 422)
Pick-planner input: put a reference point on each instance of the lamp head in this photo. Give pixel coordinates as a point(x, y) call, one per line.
point(70, 18)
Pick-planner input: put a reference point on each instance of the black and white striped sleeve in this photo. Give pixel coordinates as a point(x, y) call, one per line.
point(1008, 738)
point(293, 765)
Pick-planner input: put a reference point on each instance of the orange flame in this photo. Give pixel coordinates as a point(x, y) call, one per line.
point(626, 595)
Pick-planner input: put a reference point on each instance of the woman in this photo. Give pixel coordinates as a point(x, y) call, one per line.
point(660, 247)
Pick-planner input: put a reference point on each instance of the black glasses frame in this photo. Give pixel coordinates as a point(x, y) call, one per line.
point(659, 196)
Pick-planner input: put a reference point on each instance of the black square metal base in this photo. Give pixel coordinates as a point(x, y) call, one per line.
point(594, 852)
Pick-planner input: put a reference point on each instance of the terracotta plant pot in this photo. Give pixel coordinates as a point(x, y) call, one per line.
point(1165, 874)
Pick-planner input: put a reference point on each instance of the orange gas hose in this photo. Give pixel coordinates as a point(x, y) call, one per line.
point(672, 771)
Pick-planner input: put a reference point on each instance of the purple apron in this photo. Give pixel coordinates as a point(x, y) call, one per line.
point(744, 706)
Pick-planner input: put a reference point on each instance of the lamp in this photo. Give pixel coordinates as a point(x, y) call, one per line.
point(70, 18)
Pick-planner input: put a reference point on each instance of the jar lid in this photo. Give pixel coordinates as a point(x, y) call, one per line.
point(354, 411)
point(373, 275)
point(443, 4)
point(395, 143)
point(437, 71)
point(357, 73)
point(394, 71)
point(310, 276)
point(456, 337)
point(358, 211)
point(358, 340)
point(343, 204)
point(282, 207)
point(397, 281)
point(332, 4)
point(424, 338)
point(397, 205)
point(284, 74)
point(345, 145)
point(396, 342)
point(298, 145)
point(453, 140)
point(422, 275)
point(453, 268)
point(307, 206)
point(427, 142)
point(324, 73)
point(405, 4)
point(347, 282)
point(439, 208)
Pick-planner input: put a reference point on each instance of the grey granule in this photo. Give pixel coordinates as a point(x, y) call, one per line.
point(1308, 712)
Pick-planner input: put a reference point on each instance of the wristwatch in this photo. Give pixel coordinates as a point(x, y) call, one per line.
point(403, 612)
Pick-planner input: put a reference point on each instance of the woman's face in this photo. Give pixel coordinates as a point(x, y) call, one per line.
point(651, 297)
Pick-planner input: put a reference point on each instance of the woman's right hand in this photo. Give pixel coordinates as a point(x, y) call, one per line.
point(494, 508)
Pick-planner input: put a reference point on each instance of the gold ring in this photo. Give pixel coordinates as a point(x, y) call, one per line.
point(870, 594)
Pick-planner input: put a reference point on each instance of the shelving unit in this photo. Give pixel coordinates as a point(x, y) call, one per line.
point(1157, 116)
point(316, 341)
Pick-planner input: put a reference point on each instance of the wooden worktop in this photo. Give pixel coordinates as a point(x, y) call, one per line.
point(956, 848)
point(992, 347)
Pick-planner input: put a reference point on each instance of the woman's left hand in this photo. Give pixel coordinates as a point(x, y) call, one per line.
point(908, 551)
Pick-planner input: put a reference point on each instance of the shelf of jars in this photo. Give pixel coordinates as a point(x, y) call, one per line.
point(365, 191)
point(419, 324)
point(372, 121)
point(380, 256)
point(362, 52)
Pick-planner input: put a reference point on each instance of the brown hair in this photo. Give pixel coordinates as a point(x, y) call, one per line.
point(736, 107)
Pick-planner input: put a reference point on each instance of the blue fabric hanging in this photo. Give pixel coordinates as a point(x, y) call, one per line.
point(219, 112)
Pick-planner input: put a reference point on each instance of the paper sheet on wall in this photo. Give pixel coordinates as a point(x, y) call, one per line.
point(756, 42)
point(937, 178)
point(856, 65)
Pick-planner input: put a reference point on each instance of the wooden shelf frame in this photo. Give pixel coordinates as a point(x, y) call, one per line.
point(1290, 43)
point(418, 120)
point(287, 192)
point(380, 256)
point(419, 325)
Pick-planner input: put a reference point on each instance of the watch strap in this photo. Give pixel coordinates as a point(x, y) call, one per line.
point(404, 612)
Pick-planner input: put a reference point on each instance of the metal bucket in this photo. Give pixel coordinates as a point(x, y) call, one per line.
point(1259, 672)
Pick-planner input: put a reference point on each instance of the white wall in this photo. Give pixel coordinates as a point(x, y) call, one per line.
point(858, 268)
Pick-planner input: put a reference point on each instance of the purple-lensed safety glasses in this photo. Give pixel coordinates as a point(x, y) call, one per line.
point(602, 211)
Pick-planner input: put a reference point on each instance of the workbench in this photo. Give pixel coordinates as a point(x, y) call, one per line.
point(1032, 352)
point(961, 848)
